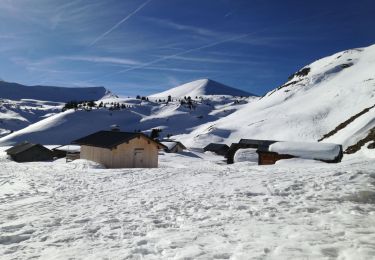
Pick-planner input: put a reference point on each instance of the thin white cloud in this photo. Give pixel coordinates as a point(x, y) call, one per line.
point(101, 59)
point(144, 65)
point(183, 27)
point(119, 23)
point(211, 60)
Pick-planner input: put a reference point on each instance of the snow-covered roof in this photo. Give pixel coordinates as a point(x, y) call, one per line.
point(307, 150)
point(171, 144)
point(69, 148)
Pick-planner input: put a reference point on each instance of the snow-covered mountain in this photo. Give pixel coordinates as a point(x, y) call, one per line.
point(15, 91)
point(22, 105)
point(202, 87)
point(313, 102)
point(330, 100)
point(173, 117)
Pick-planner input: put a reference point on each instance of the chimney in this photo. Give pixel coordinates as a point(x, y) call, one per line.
point(115, 128)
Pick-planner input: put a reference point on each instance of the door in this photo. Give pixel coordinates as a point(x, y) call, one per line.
point(138, 158)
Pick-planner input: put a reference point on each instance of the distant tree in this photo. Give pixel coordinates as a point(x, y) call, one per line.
point(143, 98)
point(100, 104)
point(169, 98)
point(138, 97)
point(91, 103)
point(155, 133)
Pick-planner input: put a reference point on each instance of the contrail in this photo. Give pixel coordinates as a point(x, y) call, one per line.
point(238, 37)
point(119, 23)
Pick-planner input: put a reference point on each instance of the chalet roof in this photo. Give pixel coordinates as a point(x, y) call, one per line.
point(21, 147)
point(110, 139)
point(256, 142)
point(216, 147)
point(171, 144)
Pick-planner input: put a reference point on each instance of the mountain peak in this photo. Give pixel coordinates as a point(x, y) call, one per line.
point(202, 87)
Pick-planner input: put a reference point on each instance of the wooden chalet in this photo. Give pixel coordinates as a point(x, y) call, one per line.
point(115, 149)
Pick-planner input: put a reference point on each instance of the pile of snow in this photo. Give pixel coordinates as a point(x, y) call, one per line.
point(16, 91)
point(312, 103)
point(307, 150)
point(201, 87)
point(86, 164)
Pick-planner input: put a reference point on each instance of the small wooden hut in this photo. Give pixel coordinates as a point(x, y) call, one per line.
point(29, 152)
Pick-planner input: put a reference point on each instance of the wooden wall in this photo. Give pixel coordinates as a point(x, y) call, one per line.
point(123, 156)
point(267, 158)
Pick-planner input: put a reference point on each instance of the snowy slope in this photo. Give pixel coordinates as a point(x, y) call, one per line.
point(15, 115)
point(16, 91)
point(22, 105)
point(202, 87)
point(312, 103)
point(173, 118)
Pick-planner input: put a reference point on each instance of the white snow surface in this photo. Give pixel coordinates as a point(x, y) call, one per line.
point(201, 87)
point(192, 207)
point(307, 150)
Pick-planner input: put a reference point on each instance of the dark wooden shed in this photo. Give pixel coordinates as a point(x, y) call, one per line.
point(29, 152)
point(243, 144)
point(220, 149)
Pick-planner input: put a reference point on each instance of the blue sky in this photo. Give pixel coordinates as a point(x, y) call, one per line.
point(142, 47)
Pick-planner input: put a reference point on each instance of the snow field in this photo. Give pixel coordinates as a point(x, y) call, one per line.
point(192, 207)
